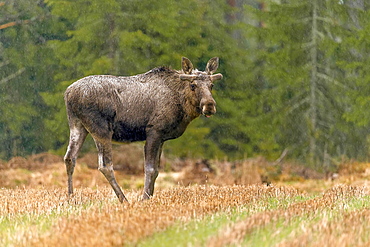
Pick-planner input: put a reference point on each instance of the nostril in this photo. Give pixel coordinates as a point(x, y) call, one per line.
point(208, 106)
point(209, 103)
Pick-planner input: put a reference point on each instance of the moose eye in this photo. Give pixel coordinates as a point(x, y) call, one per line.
point(193, 86)
point(211, 86)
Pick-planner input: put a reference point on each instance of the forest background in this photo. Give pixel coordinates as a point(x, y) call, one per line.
point(296, 72)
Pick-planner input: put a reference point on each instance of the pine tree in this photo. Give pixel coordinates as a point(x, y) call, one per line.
point(25, 71)
point(130, 37)
point(354, 61)
point(301, 85)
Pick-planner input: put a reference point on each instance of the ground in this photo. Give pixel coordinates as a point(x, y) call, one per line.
point(198, 205)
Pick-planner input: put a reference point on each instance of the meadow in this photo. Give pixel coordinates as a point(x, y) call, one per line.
point(35, 209)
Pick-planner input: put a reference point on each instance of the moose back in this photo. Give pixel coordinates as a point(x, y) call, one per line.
point(154, 107)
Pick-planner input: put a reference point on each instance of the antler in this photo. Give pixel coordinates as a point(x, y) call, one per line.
point(186, 77)
point(216, 77)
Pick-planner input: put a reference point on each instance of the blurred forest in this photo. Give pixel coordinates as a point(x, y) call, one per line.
point(296, 72)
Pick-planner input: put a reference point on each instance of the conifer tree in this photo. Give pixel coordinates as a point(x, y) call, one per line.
point(25, 71)
point(302, 86)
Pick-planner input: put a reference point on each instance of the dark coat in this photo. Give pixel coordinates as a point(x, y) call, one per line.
point(155, 106)
point(131, 106)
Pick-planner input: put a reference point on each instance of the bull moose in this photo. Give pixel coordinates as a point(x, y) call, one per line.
point(154, 107)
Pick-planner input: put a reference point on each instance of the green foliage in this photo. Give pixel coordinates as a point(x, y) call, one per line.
point(295, 73)
point(126, 38)
point(356, 65)
point(194, 143)
point(26, 65)
point(302, 90)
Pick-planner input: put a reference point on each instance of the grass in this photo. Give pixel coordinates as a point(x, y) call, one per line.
point(313, 221)
point(308, 213)
point(184, 216)
point(15, 229)
point(193, 233)
point(198, 231)
point(49, 217)
point(287, 230)
point(27, 212)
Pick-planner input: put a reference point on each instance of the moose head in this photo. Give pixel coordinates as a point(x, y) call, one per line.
point(201, 83)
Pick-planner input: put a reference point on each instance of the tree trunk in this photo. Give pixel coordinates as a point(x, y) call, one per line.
point(313, 85)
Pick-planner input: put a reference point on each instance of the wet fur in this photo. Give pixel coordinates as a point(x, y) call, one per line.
point(155, 106)
point(129, 105)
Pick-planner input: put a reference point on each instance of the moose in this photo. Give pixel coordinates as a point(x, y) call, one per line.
point(153, 107)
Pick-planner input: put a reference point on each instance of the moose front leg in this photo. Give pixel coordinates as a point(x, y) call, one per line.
point(153, 150)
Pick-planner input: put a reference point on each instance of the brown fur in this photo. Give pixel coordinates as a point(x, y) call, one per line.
point(155, 106)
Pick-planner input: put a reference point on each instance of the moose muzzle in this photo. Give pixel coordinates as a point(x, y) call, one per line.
point(208, 107)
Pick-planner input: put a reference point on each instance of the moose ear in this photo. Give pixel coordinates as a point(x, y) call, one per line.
point(212, 66)
point(187, 66)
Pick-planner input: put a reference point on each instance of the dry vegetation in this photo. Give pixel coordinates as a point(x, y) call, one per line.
point(36, 211)
point(104, 222)
point(325, 232)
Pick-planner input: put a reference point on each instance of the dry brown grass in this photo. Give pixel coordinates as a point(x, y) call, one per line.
point(221, 172)
point(127, 158)
point(44, 170)
point(54, 175)
point(323, 233)
point(32, 162)
point(348, 230)
point(34, 196)
point(105, 222)
point(95, 218)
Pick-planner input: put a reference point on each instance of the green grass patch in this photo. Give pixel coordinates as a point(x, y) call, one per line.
point(14, 227)
point(354, 203)
point(195, 232)
point(285, 230)
point(198, 231)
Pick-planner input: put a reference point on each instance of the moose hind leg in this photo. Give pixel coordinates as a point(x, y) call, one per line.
point(106, 167)
point(76, 138)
